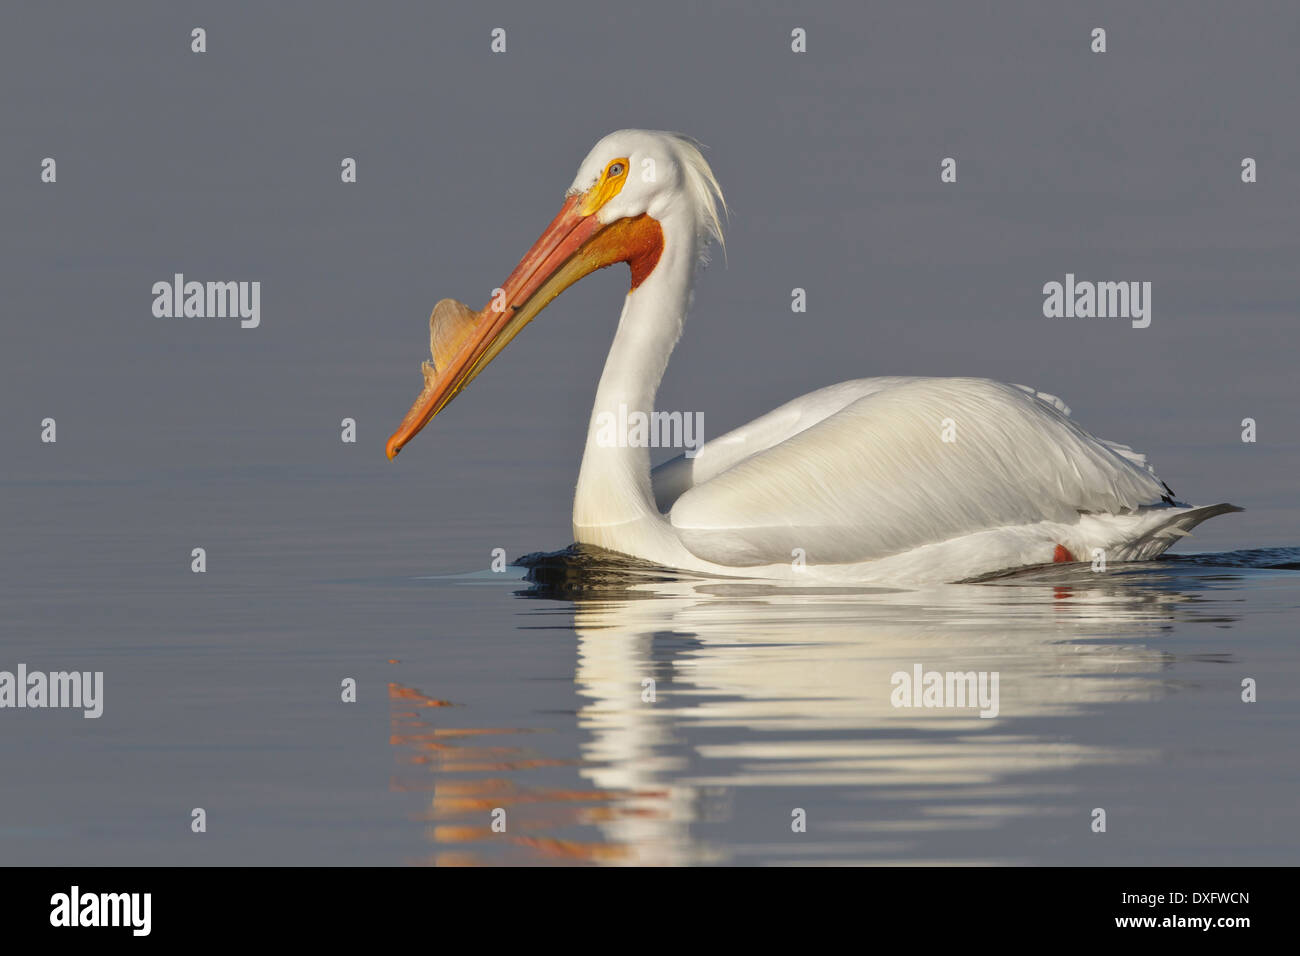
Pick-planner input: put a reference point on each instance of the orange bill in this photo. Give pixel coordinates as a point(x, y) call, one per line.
point(575, 244)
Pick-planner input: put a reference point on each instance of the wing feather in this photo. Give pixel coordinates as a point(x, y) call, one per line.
point(878, 477)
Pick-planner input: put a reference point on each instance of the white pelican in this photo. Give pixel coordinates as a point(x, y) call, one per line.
point(851, 483)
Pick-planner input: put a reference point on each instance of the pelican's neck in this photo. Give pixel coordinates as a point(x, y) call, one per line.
point(614, 482)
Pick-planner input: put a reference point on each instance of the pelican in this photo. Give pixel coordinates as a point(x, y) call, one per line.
point(903, 480)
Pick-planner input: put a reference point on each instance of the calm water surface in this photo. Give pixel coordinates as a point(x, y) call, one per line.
point(524, 691)
point(1119, 691)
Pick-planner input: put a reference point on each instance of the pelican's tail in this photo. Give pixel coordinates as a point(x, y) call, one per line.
point(1172, 525)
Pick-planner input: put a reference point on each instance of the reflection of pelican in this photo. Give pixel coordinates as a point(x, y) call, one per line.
point(884, 479)
point(780, 689)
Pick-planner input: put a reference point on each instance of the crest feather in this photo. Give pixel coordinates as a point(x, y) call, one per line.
point(702, 186)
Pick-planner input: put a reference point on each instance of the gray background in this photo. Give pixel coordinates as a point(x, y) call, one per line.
point(177, 433)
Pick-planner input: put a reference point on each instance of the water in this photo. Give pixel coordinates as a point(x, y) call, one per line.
point(1119, 691)
point(524, 691)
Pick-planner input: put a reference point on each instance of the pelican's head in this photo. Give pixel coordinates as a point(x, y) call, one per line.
point(637, 172)
point(635, 191)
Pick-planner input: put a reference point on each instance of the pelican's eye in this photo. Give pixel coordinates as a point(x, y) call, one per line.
point(607, 187)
